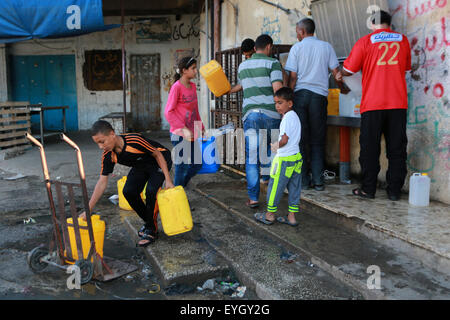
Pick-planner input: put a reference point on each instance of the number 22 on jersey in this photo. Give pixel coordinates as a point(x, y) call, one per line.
point(384, 46)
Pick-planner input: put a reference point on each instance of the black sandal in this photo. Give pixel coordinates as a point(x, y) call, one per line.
point(252, 205)
point(141, 231)
point(360, 193)
point(148, 236)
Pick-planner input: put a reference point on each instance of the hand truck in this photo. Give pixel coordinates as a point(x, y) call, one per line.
point(91, 267)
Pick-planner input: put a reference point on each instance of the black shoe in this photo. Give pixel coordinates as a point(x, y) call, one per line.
point(319, 187)
point(306, 186)
point(393, 197)
point(358, 192)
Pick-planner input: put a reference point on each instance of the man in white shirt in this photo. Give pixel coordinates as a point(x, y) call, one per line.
point(287, 164)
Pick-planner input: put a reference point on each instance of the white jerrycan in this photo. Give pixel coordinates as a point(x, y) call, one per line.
point(419, 190)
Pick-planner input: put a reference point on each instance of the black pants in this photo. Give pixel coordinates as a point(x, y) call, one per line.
point(391, 123)
point(136, 180)
point(311, 108)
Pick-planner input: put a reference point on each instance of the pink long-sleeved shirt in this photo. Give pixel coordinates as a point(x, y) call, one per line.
point(182, 109)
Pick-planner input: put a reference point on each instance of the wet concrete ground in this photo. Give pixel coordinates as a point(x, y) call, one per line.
point(17, 281)
point(244, 244)
point(25, 223)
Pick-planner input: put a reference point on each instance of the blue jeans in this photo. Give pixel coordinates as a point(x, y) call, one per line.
point(258, 155)
point(311, 108)
point(186, 165)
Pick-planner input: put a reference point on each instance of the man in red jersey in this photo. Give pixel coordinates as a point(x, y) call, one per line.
point(383, 56)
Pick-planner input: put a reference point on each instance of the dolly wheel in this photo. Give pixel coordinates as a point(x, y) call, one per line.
point(86, 269)
point(34, 259)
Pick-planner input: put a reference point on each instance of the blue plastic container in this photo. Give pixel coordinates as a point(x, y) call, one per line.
point(209, 161)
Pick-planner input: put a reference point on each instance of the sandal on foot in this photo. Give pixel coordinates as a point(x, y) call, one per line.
point(252, 205)
point(358, 192)
point(147, 236)
point(141, 231)
point(286, 221)
point(261, 217)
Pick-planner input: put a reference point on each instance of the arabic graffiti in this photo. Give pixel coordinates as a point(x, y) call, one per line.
point(272, 28)
point(428, 86)
point(182, 31)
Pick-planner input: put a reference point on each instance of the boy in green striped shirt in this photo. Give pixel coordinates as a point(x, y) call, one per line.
point(260, 76)
point(287, 165)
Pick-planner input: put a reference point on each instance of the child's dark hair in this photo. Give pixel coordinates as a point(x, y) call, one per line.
point(247, 45)
point(262, 41)
point(285, 93)
point(101, 126)
point(184, 63)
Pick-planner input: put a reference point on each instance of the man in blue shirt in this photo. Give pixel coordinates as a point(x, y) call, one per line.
point(309, 62)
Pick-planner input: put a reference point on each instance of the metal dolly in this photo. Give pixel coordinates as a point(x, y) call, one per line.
point(93, 266)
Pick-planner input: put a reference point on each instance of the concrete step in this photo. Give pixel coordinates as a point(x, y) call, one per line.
point(184, 258)
point(343, 252)
point(261, 263)
point(219, 242)
point(419, 232)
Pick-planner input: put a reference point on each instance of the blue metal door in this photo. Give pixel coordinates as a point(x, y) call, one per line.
point(49, 80)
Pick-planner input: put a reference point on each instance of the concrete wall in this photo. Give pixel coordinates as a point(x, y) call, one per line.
point(94, 104)
point(426, 23)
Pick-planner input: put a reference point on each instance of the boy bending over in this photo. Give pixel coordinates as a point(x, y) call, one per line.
point(150, 163)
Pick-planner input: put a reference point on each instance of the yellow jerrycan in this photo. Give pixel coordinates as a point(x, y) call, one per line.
point(215, 78)
point(123, 203)
point(333, 102)
point(98, 227)
point(174, 211)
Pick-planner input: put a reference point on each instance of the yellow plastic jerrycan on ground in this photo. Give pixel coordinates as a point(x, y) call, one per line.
point(123, 203)
point(98, 227)
point(333, 102)
point(174, 211)
point(215, 78)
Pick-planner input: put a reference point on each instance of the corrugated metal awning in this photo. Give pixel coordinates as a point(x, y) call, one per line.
point(343, 22)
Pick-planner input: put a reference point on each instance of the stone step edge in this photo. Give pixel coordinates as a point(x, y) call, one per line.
point(434, 259)
point(338, 274)
point(244, 277)
point(375, 226)
point(154, 261)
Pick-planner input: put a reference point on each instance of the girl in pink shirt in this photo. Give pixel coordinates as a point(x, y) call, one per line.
point(186, 126)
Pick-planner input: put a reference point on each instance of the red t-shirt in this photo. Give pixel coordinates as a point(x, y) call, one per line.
point(383, 56)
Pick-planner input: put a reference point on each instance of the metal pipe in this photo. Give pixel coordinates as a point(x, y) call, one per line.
point(288, 11)
point(216, 16)
point(344, 154)
point(63, 267)
point(56, 230)
point(208, 100)
point(83, 188)
point(124, 120)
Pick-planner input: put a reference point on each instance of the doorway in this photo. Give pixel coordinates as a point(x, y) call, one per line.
point(50, 80)
point(146, 92)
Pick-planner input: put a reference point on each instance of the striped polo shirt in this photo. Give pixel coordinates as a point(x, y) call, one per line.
point(256, 76)
point(137, 152)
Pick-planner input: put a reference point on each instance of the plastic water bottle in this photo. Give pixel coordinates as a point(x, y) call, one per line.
point(419, 190)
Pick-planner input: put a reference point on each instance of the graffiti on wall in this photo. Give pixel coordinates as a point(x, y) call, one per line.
point(184, 31)
point(168, 75)
point(272, 28)
point(427, 26)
